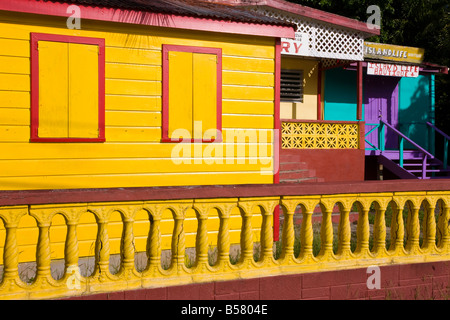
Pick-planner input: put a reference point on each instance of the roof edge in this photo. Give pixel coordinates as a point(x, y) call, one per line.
point(149, 18)
point(309, 12)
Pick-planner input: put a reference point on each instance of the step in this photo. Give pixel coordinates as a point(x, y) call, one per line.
point(420, 171)
point(300, 180)
point(296, 174)
point(287, 166)
point(420, 164)
point(290, 158)
point(407, 154)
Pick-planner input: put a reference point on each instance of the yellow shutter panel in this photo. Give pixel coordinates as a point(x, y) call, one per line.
point(53, 90)
point(83, 91)
point(180, 92)
point(204, 93)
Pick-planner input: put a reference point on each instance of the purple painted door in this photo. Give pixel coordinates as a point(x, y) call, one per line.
point(381, 101)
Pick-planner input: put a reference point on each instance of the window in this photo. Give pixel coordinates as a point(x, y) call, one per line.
point(192, 94)
point(291, 89)
point(67, 88)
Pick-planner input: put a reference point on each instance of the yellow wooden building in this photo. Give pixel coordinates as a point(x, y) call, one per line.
point(133, 96)
point(157, 128)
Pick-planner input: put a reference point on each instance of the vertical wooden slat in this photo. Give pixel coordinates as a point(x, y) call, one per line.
point(204, 94)
point(53, 90)
point(83, 91)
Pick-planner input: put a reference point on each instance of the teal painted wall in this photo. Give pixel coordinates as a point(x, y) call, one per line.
point(416, 108)
point(340, 95)
point(416, 103)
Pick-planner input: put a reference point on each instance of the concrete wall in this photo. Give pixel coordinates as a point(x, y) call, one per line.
point(398, 282)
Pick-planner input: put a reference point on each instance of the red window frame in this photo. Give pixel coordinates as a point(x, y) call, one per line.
point(165, 87)
point(35, 38)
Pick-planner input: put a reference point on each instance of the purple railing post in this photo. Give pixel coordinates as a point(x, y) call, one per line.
point(424, 167)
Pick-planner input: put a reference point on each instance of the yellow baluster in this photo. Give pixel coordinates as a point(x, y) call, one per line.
point(43, 216)
point(178, 237)
point(246, 233)
point(397, 230)
point(363, 231)
point(223, 240)
point(72, 270)
point(413, 229)
point(344, 249)
point(102, 249)
point(326, 232)
point(11, 281)
point(306, 232)
point(288, 235)
point(429, 227)
point(127, 247)
point(379, 234)
point(201, 241)
point(444, 226)
point(267, 231)
point(102, 214)
point(153, 248)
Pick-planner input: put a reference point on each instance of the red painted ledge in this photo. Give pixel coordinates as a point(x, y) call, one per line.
point(35, 197)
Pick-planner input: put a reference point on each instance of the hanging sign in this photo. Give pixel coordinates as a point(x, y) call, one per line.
point(381, 51)
point(392, 70)
point(297, 47)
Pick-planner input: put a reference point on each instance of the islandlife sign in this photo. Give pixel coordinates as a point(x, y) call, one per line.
point(381, 51)
point(392, 70)
point(296, 47)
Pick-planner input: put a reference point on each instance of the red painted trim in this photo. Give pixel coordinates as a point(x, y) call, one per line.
point(319, 92)
point(360, 90)
point(35, 38)
point(276, 223)
point(362, 135)
point(30, 197)
point(320, 121)
point(165, 94)
point(148, 18)
point(277, 114)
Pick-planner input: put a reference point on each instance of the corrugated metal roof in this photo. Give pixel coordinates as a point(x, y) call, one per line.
point(192, 8)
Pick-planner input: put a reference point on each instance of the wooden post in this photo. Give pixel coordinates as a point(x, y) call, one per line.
point(319, 92)
point(359, 98)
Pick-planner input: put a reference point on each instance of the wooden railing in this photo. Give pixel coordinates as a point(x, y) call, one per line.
point(446, 139)
point(382, 127)
point(396, 223)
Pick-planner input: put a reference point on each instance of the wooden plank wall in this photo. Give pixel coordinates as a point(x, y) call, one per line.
point(132, 155)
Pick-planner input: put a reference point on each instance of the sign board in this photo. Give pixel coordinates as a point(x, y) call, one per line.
point(392, 70)
point(381, 51)
point(297, 47)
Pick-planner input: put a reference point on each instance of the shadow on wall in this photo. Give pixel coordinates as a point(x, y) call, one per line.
point(340, 95)
point(415, 111)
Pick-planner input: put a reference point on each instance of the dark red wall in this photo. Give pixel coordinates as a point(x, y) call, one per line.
point(332, 165)
point(398, 282)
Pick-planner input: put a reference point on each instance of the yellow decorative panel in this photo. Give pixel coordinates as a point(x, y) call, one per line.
point(310, 135)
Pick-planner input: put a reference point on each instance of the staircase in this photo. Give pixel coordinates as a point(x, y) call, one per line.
point(415, 165)
point(411, 164)
point(293, 170)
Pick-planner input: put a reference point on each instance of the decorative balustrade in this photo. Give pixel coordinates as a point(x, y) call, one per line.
point(300, 134)
point(392, 227)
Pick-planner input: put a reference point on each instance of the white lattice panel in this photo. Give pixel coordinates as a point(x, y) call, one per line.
point(326, 40)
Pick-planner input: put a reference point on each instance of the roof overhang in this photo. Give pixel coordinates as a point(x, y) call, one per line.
point(366, 29)
point(149, 18)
